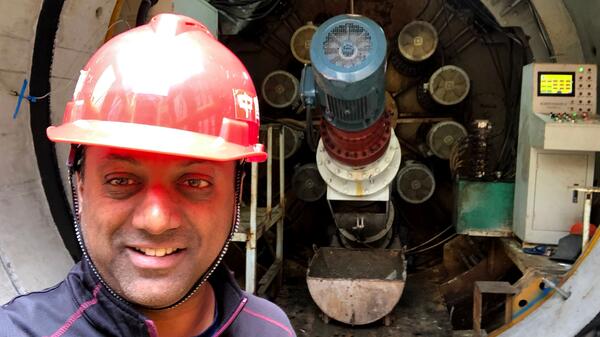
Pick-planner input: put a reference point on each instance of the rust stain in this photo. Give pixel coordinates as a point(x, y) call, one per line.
point(360, 190)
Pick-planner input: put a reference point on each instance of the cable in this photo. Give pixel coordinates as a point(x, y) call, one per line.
point(292, 123)
point(423, 10)
point(309, 130)
point(37, 98)
point(265, 14)
point(431, 247)
point(428, 241)
point(235, 11)
point(142, 13)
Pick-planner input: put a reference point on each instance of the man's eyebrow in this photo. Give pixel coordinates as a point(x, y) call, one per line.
point(120, 157)
point(193, 162)
point(133, 161)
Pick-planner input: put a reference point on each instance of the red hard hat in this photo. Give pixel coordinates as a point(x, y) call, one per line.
point(168, 87)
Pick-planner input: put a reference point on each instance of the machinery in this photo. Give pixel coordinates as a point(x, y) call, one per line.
point(558, 135)
point(446, 87)
point(307, 183)
point(483, 204)
point(292, 140)
point(411, 56)
point(415, 182)
point(358, 154)
point(442, 137)
point(280, 89)
point(555, 147)
point(300, 42)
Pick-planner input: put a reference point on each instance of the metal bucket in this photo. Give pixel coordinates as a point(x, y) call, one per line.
point(356, 286)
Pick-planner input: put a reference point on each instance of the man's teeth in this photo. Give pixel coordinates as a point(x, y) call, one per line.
point(157, 251)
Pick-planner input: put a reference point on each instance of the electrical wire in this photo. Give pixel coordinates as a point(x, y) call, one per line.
point(142, 13)
point(428, 241)
point(265, 14)
point(486, 24)
point(423, 10)
point(235, 10)
point(37, 98)
point(292, 123)
point(310, 140)
point(431, 247)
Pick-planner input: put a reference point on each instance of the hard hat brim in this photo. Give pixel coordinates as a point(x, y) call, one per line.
point(150, 138)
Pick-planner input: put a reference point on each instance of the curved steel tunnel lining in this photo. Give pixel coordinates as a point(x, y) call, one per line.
point(45, 151)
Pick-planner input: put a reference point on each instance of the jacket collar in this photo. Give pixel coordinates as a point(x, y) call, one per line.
point(117, 317)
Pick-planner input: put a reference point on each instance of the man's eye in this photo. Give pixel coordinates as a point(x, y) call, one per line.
point(196, 183)
point(121, 181)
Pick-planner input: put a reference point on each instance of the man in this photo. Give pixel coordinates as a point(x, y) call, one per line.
point(162, 118)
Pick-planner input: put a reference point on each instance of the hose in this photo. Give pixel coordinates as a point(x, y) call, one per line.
point(142, 13)
point(309, 130)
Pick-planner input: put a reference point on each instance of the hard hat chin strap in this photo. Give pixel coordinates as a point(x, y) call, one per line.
point(73, 166)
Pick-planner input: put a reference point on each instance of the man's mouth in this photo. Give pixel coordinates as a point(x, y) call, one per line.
point(160, 252)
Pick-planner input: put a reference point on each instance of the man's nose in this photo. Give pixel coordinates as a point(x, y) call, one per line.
point(157, 213)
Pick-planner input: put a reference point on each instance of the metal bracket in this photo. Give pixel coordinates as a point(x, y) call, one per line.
point(565, 294)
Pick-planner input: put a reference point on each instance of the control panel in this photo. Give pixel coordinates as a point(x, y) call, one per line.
point(558, 138)
point(558, 102)
point(564, 90)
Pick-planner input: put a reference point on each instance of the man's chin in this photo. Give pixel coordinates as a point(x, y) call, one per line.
point(154, 294)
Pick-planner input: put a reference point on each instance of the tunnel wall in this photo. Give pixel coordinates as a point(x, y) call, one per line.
point(32, 253)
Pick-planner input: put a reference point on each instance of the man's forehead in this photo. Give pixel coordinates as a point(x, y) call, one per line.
point(135, 157)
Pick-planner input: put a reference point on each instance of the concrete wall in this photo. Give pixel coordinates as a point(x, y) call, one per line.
point(585, 16)
point(32, 255)
point(24, 214)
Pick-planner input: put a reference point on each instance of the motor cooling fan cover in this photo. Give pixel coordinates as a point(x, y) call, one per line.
point(347, 45)
point(280, 89)
point(417, 41)
point(348, 48)
point(308, 184)
point(449, 85)
point(300, 42)
point(442, 137)
point(415, 183)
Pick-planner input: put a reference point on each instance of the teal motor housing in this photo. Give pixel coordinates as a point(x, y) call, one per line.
point(348, 55)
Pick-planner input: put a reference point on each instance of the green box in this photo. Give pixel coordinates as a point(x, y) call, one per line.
point(484, 208)
point(200, 10)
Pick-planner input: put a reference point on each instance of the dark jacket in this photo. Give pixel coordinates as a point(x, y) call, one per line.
point(81, 306)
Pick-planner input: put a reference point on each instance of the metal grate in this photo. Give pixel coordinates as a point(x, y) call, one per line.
point(347, 45)
point(307, 183)
point(415, 184)
point(280, 89)
point(347, 110)
point(443, 136)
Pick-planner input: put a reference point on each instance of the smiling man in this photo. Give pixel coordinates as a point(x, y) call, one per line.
point(162, 119)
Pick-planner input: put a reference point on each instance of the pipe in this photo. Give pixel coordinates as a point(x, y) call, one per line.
point(309, 129)
point(142, 13)
point(116, 13)
point(587, 210)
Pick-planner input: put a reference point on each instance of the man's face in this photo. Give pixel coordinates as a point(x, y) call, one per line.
point(153, 223)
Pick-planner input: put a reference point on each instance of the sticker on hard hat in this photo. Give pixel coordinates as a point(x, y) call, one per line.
point(246, 106)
